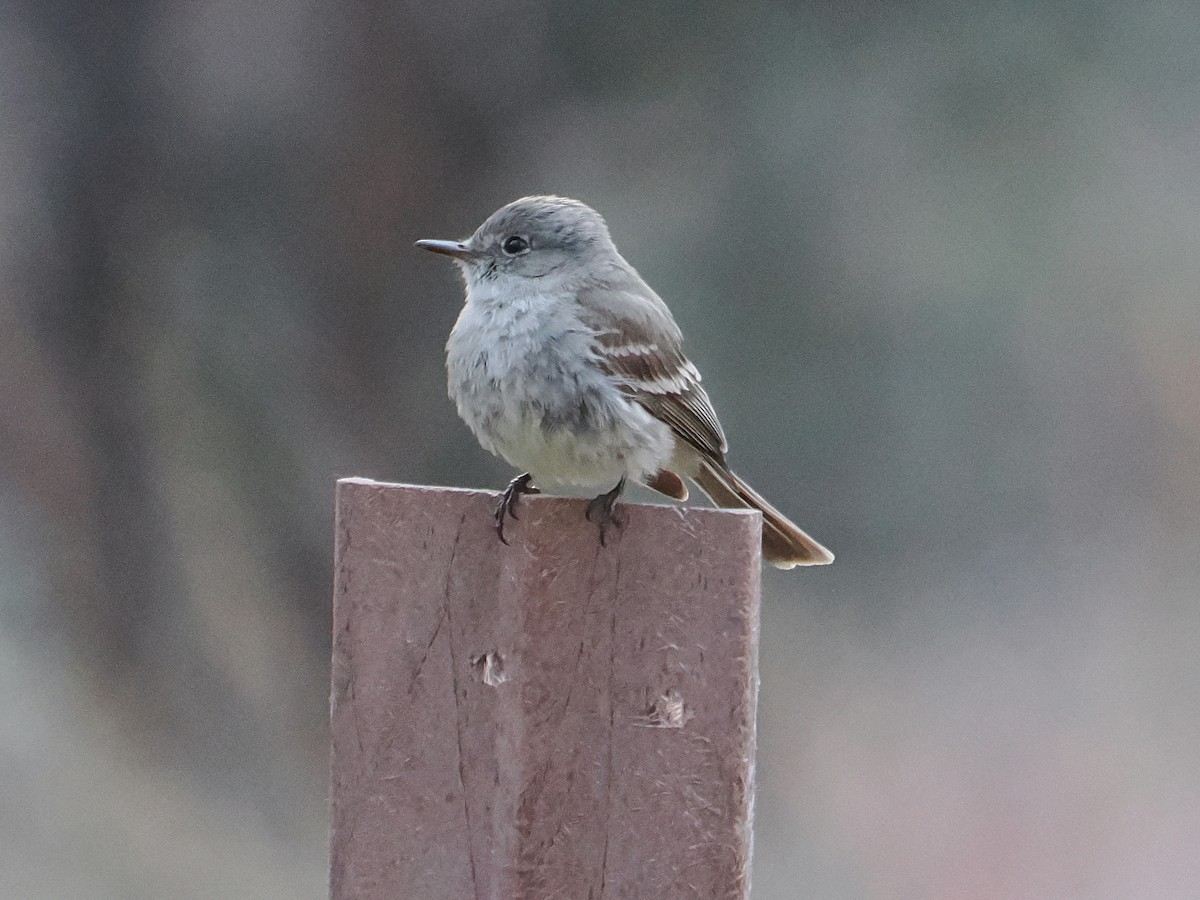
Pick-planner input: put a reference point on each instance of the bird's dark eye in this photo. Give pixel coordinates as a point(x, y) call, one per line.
point(515, 244)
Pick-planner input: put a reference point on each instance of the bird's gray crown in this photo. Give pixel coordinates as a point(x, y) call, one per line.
point(546, 221)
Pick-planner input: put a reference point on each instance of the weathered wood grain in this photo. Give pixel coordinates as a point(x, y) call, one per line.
point(551, 719)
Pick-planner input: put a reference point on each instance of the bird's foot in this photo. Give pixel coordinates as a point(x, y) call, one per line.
point(507, 506)
point(602, 510)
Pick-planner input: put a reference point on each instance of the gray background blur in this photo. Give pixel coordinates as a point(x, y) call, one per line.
point(939, 265)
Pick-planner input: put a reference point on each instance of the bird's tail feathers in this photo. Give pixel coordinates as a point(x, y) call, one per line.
point(784, 544)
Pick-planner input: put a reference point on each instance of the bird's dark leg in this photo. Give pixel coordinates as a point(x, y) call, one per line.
point(601, 510)
point(508, 501)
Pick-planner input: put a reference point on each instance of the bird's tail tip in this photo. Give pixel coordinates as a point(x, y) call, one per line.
point(785, 544)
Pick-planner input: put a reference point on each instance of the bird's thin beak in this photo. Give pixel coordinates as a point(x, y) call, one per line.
point(457, 249)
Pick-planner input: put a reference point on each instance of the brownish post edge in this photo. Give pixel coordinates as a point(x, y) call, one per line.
point(548, 719)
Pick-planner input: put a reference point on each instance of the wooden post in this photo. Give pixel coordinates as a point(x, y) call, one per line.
point(550, 719)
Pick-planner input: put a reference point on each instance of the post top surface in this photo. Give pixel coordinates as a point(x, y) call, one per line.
point(681, 509)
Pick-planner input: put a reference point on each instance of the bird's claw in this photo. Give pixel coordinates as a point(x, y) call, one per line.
point(507, 505)
point(602, 510)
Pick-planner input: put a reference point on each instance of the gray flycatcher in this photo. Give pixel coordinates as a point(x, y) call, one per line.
point(566, 364)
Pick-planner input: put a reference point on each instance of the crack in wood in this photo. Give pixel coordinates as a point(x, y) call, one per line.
point(612, 714)
point(458, 712)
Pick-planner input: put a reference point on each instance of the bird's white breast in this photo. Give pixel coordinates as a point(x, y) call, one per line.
point(522, 373)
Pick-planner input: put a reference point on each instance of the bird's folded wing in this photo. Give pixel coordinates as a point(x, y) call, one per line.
point(639, 344)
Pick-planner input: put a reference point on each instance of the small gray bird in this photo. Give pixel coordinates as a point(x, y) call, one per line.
point(567, 365)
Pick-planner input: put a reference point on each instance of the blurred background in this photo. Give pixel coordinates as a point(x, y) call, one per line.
point(939, 263)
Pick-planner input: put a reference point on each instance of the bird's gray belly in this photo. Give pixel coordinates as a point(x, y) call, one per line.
point(545, 409)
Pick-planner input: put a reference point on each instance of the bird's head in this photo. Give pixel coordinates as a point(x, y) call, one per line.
point(532, 238)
